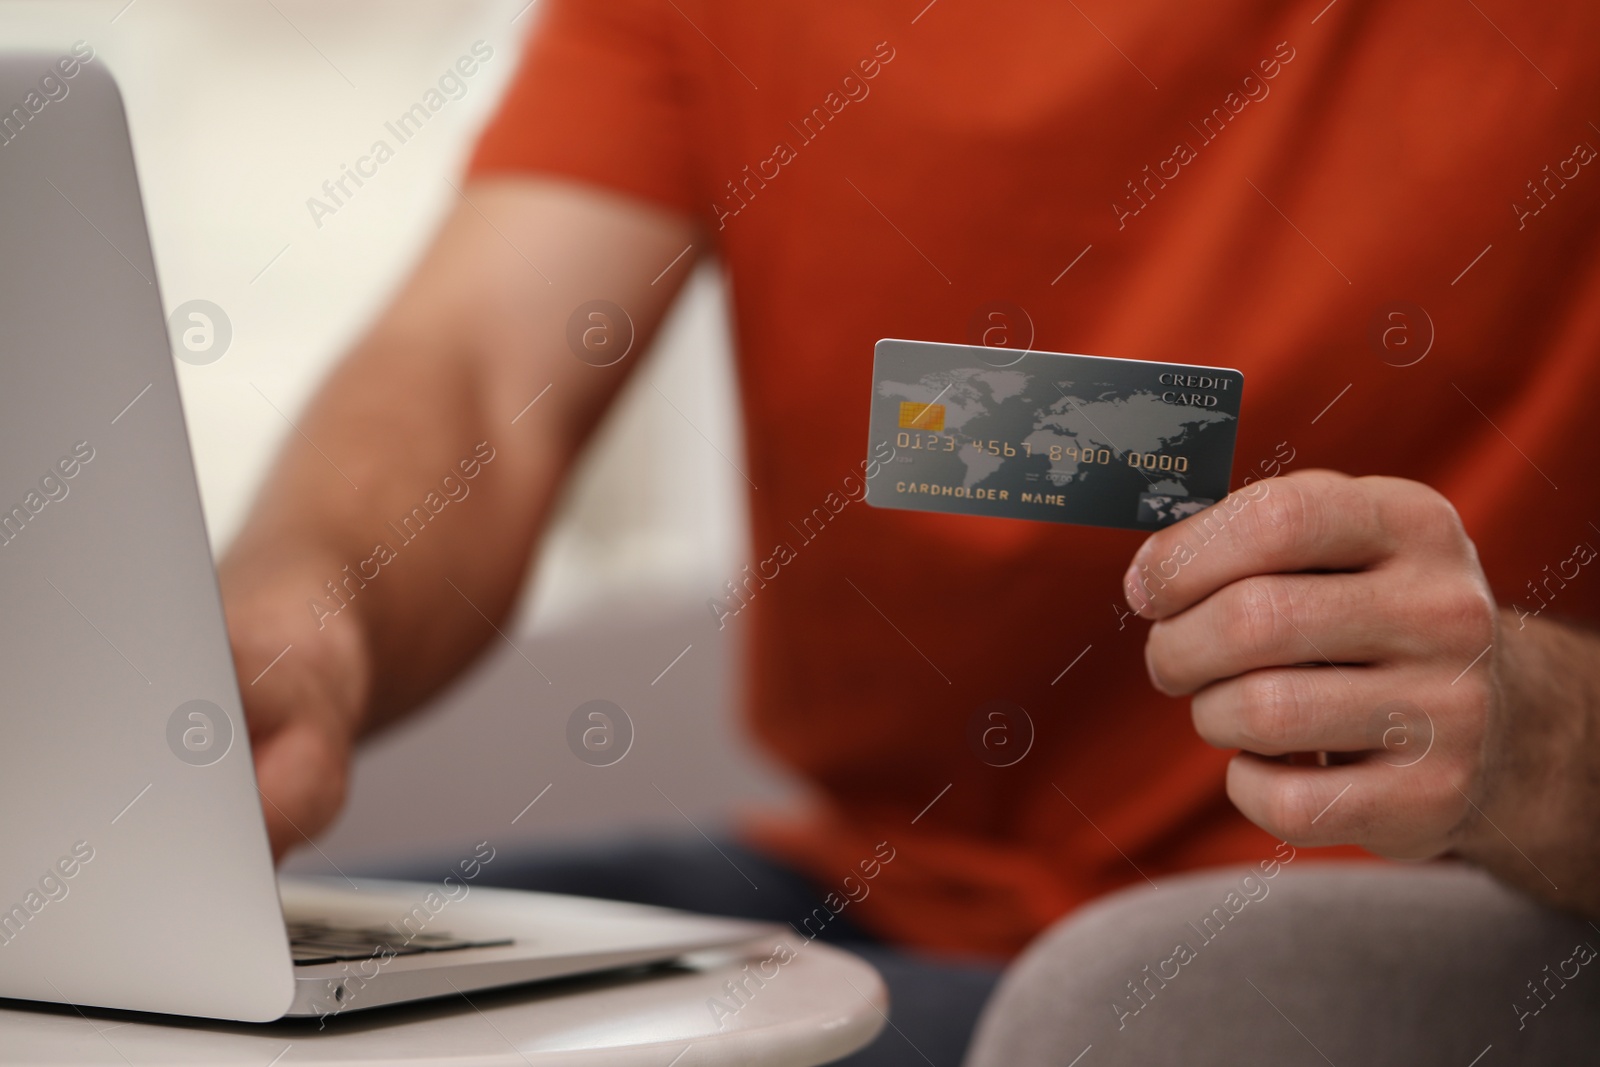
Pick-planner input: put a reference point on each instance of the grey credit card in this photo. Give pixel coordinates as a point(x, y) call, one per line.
point(1126, 443)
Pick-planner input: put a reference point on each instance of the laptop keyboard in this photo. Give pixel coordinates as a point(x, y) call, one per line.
point(312, 941)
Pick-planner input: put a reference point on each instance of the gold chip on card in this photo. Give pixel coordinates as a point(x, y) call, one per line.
point(929, 417)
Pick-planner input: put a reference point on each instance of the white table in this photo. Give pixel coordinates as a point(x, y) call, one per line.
point(822, 1005)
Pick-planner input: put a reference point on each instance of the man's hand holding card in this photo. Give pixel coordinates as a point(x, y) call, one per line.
point(1338, 631)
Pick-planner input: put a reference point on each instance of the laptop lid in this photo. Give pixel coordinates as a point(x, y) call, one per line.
point(134, 868)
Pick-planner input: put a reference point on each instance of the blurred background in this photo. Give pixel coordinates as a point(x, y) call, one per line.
point(240, 110)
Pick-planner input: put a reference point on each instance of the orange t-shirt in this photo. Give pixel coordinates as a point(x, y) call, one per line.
point(1242, 183)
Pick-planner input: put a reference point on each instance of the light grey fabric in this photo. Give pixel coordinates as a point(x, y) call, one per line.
point(1357, 965)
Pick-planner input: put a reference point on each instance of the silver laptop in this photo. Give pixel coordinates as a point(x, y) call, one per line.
point(134, 869)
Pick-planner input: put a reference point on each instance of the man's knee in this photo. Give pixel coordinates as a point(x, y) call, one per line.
point(1103, 976)
point(1361, 963)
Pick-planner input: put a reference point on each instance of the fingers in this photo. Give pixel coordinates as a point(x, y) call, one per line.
point(303, 701)
point(1298, 709)
point(1307, 521)
point(1356, 802)
point(1323, 613)
point(1318, 709)
point(301, 772)
point(1282, 620)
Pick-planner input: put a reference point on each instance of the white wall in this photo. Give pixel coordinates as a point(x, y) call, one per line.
point(239, 110)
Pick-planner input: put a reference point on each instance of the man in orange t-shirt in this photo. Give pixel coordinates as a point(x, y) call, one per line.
point(1385, 215)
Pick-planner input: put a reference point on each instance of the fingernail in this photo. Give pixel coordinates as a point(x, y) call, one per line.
point(1130, 586)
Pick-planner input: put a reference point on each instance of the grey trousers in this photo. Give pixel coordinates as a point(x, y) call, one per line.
point(1354, 965)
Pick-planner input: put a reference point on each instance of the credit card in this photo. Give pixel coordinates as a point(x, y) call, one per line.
point(1126, 443)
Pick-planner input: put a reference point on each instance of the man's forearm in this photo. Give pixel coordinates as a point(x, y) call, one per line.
point(1537, 823)
point(378, 504)
point(403, 510)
